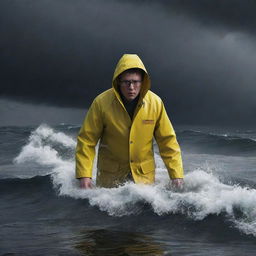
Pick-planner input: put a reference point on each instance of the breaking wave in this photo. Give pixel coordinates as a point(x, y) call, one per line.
point(204, 193)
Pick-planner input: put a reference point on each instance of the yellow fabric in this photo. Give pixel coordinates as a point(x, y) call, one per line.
point(127, 145)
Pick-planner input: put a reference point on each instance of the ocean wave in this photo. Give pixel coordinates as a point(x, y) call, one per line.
point(226, 144)
point(204, 194)
point(224, 136)
point(41, 146)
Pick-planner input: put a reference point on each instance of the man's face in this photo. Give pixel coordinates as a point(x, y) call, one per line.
point(130, 85)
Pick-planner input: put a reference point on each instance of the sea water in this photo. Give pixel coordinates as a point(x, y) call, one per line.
point(44, 212)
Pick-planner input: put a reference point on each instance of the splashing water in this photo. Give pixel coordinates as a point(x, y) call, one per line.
point(203, 194)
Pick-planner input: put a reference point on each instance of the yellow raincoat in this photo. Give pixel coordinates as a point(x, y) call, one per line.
point(127, 145)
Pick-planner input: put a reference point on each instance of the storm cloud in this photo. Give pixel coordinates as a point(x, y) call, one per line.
point(200, 54)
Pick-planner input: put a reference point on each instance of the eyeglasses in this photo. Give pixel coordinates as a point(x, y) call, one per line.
point(129, 82)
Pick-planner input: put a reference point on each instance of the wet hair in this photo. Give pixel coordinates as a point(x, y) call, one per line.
point(132, 71)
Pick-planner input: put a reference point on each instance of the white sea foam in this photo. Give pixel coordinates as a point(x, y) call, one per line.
point(203, 193)
point(39, 147)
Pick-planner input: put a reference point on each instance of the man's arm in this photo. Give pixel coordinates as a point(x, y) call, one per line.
point(87, 139)
point(169, 148)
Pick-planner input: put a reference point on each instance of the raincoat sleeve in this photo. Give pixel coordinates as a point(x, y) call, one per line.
point(168, 146)
point(87, 139)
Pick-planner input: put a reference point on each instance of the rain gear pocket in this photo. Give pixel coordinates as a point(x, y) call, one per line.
point(148, 166)
point(110, 174)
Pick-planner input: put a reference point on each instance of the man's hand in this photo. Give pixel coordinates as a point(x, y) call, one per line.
point(86, 183)
point(178, 184)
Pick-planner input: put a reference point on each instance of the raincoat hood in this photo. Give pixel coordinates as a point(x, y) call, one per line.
point(126, 62)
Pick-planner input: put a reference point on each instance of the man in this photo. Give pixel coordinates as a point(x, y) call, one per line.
point(125, 119)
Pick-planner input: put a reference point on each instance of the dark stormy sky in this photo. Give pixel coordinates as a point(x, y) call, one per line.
point(59, 54)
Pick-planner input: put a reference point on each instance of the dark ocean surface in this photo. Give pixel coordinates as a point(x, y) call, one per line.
point(44, 212)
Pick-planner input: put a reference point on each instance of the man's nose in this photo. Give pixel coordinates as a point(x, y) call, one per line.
point(131, 85)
